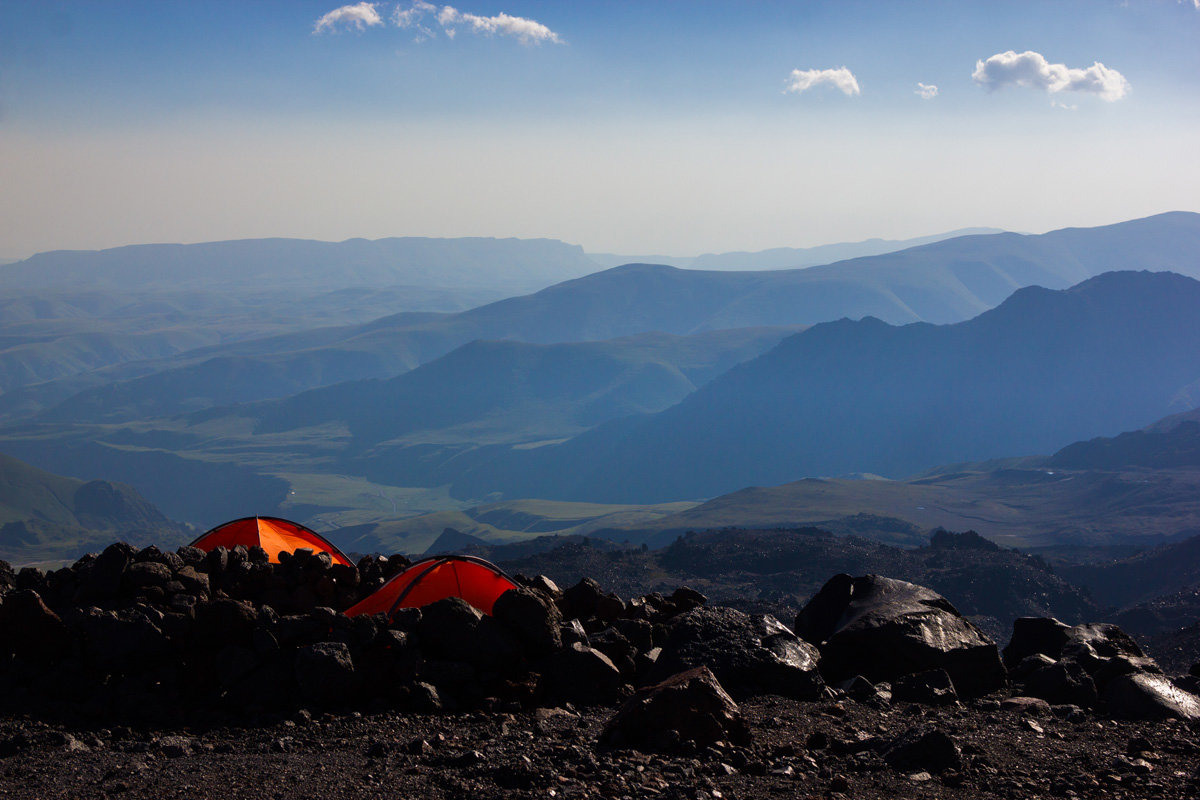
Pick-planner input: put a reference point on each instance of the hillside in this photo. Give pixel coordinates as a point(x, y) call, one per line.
point(44, 516)
point(1042, 370)
point(510, 387)
point(943, 282)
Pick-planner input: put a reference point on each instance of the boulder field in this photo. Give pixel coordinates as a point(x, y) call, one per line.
point(148, 640)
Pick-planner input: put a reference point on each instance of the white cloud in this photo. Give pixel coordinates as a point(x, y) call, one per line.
point(1031, 70)
point(359, 15)
point(411, 17)
point(843, 79)
point(526, 31)
point(928, 91)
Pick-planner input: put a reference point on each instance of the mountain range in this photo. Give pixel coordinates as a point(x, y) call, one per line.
point(1040, 371)
point(943, 282)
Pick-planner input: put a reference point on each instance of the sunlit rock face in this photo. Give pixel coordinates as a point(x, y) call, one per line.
point(884, 629)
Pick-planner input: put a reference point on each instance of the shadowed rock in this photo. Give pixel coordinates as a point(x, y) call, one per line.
point(883, 629)
point(749, 655)
point(688, 707)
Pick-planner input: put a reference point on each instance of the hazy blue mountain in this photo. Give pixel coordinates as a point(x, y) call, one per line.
point(54, 344)
point(514, 391)
point(201, 492)
point(947, 281)
point(787, 257)
point(45, 516)
point(512, 264)
point(1172, 443)
point(1043, 369)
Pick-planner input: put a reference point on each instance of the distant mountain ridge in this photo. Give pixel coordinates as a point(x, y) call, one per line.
point(947, 281)
point(1043, 369)
point(515, 264)
point(788, 257)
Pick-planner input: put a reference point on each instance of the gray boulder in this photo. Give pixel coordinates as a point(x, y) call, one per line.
point(748, 655)
point(883, 629)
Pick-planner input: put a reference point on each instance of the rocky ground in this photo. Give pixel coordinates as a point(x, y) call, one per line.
point(826, 749)
point(144, 674)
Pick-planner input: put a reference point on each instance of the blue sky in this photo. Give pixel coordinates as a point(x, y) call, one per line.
point(632, 127)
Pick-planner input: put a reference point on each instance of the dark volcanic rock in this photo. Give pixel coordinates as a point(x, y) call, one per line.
point(932, 688)
point(884, 629)
point(532, 618)
point(1033, 635)
point(102, 579)
point(325, 673)
point(1145, 696)
point(923, 748)
point(448, 628)
point(749, 655)
point(690, 706)
point(1061, 683)
point(580, 674)
point(29, 629)
point(1105, 652)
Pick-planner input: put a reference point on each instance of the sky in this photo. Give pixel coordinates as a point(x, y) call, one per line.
point(625, 127)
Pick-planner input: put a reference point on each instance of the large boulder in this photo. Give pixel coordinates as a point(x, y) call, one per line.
point(532, 618)
point(749, 655)
point(884, 629)
point(1033, 636)
point(581, 674)
point(688, 707)
point(922, 748)
point(101, 580)
point(1148, 696)
point(29, 629)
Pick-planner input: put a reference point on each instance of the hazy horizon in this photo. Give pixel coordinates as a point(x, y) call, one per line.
point(622, 127)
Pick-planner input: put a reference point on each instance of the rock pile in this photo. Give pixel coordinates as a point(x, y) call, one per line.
point(160, 636)
point(155, 634)
point(1094, 665)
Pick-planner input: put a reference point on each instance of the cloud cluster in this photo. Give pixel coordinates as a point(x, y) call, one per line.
point(927, 91)
point(1032, 70)
point(359, 15)
point(843, 79)
point(423, 16)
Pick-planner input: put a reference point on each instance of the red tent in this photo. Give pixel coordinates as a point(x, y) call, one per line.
point(272, 534)
point(435, 578)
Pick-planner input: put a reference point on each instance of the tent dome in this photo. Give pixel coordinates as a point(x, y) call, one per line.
point(435, 578)
point(272, 534)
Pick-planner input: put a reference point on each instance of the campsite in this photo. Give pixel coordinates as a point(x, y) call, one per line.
point(132, 671)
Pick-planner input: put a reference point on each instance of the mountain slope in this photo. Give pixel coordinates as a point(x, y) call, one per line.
point(1042, 370)
point(46, 516)
point(519, 391)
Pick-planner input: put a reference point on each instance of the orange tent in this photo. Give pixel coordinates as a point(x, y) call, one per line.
point(435, 578)
point(272, 534)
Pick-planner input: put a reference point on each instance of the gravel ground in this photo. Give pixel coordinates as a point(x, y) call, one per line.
point(821, 749)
